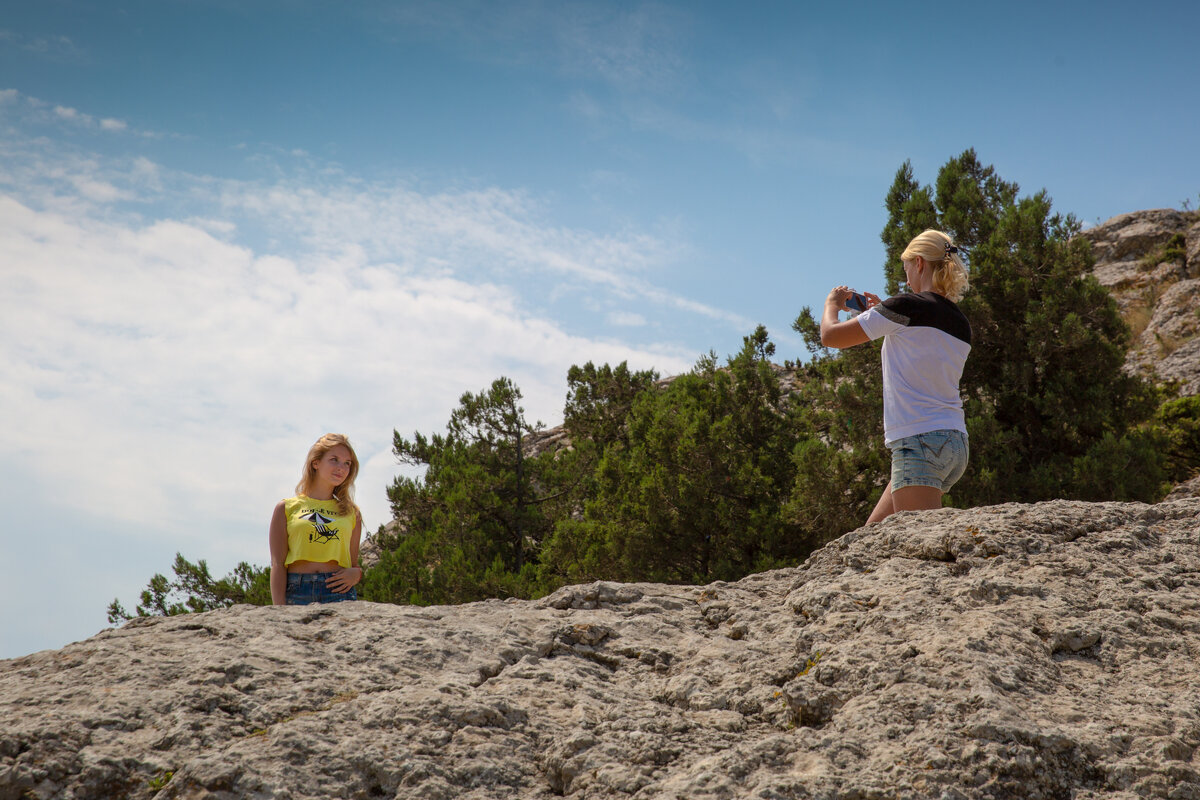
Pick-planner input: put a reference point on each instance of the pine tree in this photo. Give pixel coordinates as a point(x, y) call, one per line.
point(836, 414)
point(693, 493)
point(1046, 399)
point(1049, 410)
point(194, 589)
point(1049, 407)
point(1179, 421)
point(472, 526)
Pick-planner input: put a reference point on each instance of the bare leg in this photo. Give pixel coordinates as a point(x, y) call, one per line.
point(883, 509)
point(917, 498)
point(910, 498)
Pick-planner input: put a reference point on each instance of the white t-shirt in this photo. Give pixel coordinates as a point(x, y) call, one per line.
point(926, 342)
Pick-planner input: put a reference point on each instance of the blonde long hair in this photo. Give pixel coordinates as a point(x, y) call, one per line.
point(343, 492)
point(938, 250)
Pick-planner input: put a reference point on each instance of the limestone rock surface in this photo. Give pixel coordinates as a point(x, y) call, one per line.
point(1159, 294)
point(1016, 651)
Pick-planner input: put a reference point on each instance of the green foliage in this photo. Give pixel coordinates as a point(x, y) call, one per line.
point(1045, 396)
point(194, 589)
point(693, 491)
point(1178, 422)
point(716, 474)
point(910, 211)
point(1044, 385)
point(159, 781)
point(836, 417)
point(1120, 468)
point(473, 525)
point(596, 416)
point(598, 402)
point(968, 198)
point(1174, 249)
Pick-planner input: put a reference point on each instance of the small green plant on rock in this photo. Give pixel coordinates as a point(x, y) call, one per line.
point(162, 779)
point(809, 664)
point(1175, 249)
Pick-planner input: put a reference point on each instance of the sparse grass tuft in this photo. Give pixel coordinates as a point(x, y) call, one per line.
point(1169, 344)
point(1138, 319)
point(1175, 249)
point(1141, 310)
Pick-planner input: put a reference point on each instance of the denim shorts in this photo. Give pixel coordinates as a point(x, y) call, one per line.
point(309, 587)
point(936, 458)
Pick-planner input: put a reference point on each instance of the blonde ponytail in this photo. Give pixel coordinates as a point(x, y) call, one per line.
point(940, 253)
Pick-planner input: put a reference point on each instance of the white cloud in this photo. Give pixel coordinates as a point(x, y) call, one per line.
point(173, 343)
point(175, 379)
point(70, 114)
point(484, 231)
point(99, 191)
point(584, 105)
point(163, 361)
point(625, 319)
point(58, 48)
point(39, 111)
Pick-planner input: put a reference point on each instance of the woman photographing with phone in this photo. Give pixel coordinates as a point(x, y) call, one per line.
point(926, 339)
point(314, 536)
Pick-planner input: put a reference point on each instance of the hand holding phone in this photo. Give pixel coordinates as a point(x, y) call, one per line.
point(856, 302)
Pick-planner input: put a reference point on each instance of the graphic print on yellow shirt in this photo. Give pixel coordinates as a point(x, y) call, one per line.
point(317, 531)
point(321, 532)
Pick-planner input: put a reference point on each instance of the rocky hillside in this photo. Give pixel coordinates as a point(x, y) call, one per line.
point(1019, 651)
point(1150, 261)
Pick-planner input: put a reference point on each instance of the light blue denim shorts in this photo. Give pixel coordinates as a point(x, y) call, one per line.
point(936, 458)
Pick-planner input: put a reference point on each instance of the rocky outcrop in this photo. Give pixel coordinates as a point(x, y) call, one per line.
point(1189, 488)
point(1150, 261)
point(1018, 651)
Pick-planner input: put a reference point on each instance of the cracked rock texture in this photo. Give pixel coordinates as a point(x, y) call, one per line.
point(1158, 293)
point(1016, 651)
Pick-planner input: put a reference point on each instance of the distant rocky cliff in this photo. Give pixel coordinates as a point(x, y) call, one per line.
point(1017, 651)
point(1150, 261)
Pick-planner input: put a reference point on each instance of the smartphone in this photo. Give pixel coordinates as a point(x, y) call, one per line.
point(856, 302)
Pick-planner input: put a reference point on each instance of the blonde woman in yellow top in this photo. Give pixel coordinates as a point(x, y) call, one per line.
point(315, 535)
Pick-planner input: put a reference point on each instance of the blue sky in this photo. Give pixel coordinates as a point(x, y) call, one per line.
point(226, 228)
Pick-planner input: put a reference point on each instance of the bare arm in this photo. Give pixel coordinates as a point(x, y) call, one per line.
point(279, 549)
point(847, 333)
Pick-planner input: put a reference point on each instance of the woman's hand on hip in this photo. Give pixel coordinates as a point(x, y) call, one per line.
point(344, 580)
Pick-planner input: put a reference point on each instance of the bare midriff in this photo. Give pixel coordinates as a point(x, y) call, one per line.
point(306, 567)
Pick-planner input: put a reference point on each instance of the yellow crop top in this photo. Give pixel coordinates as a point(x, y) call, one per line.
point(316, 531)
